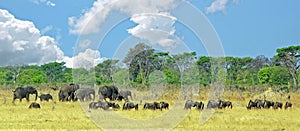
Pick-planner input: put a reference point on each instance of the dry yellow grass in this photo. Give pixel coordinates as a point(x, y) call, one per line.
point(71, 115)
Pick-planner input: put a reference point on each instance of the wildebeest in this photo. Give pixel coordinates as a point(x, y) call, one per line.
point(67, 93)
point(259, 103)
point(113, 105)
point(268, 104)
point(224, 104)
point(125, 94)
point(287, 105)
point(150, 106)
point(110, 92)
point(24, 92)
point(213, 104)
point(130, 105)
point(199, 105)
point(85, 94)
point(277, 105)
point(45, 97)
point(251, 104)
point(99, 104)
point(164, 105)
point(34, 105)
point(189, 104)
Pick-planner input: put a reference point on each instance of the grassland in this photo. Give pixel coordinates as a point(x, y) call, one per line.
point(75, 115)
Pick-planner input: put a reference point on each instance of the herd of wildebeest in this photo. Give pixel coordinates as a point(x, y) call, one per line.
point(109, 94)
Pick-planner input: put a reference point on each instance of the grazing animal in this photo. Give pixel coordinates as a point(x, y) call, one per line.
point(199, 105)
point(99, 104)
point(259, 103)
point(34, 105)
point(85, 94)
point(24, 92)
point(287, 105)
point(164, 105)
point(189, 104)
point(277, 105)
point(45, 97)
point(110, 92)
point(251, 104)
point(213, 104)
point(150, 106)
point(130, 105)
point(67, 93)
point(268, 104)
point(224, 104)
point(125, 94)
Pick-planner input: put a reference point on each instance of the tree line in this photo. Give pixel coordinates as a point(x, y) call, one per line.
point(144, 66)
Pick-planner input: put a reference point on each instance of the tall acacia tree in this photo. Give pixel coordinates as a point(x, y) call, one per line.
point(290, 58)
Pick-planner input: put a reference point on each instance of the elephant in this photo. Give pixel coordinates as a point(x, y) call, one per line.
point(85, 94)
point(110, 92)
point(125, 94)
point(67, 93)
point(24, 92)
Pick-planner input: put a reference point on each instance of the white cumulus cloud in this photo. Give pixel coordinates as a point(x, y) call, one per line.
point(22, 43)
point(87, 59)
point(46, 2)
point(217, 5)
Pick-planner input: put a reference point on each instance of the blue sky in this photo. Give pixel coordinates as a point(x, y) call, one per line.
point(245, 28)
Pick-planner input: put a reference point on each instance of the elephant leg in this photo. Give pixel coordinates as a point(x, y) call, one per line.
point(27, 97)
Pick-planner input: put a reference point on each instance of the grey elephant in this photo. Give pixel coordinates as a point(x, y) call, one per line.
point(67, 93)
point(125, 94)
point(85, 94)
point(24, 92)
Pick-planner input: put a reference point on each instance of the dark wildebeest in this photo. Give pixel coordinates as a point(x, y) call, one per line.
point(126, 94)
point(277, 105)
point(213, 104)
point(34, 105)
point(259, 103)
point(130, 105)
point(110, 92)
point(164, 105)
point(67, 93)
point(224, 104)
point(113, 105)
point(157, 105)
point(150, 106)
point(199, 105)
point(268, 104)
point(287, 105)
point(24, 92)
point(85, 94)
point(251, 104)
point(99, 104)
point(189, 104)
point(45, 97)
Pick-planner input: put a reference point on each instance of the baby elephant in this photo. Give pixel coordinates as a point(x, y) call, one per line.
point(45, 97)
point(34, 105)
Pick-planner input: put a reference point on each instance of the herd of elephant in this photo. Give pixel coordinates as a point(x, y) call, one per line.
point(73, 92)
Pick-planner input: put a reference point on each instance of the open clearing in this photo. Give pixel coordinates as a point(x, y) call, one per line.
point(71, 115)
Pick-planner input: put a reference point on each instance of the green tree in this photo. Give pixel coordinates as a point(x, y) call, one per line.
point(274, 75)
point(54, 71)
point(105, 70)
point(290, 58)
point(31, 76)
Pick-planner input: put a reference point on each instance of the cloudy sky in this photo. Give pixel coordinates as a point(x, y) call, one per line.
point(85, 32)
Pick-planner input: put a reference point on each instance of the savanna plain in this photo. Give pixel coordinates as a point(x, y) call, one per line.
point(55, 115)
